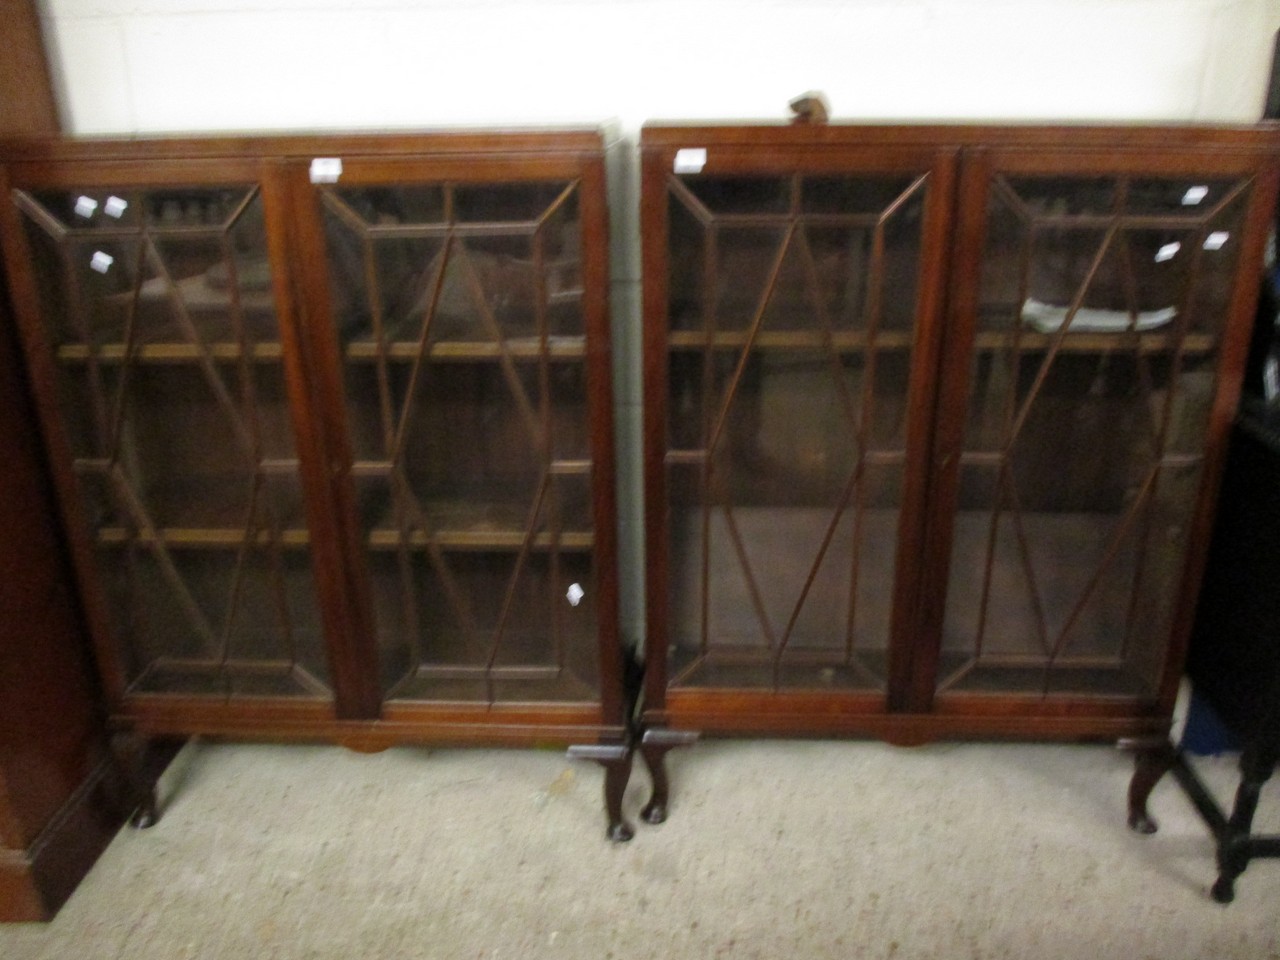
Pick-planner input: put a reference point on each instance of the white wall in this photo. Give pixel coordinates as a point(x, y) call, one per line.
point(149, 66)
point(164, 65)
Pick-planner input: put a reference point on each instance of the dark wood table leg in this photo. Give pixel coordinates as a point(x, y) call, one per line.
point(1256, 767)
point(654, 746)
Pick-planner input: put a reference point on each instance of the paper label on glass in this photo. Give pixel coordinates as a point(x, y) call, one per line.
point(101, 262)
point(690, 159)
point(85, 206)
point(115, 207)
point(1194, 195)
point(1216, 240)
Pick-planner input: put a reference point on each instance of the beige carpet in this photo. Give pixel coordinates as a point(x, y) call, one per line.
point(774, 850)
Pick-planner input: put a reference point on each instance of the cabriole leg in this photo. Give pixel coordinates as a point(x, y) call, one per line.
point(1150, 764)
point(654, 746)
point(130, 752)
point(616, 760)
point(141, 761)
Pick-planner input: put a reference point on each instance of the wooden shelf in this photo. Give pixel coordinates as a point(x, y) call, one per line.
point(167, 352)
point(195, 537)
point(574, 541)
point(1199, 344)
point(788, 340)
point(523, 348)
point(1196, 343)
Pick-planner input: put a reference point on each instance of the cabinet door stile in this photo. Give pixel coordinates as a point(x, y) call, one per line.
point(599, 358)
point(913, 644)
point(42, 377)
point(948, 428)
point(653, 232)
point(313, 361)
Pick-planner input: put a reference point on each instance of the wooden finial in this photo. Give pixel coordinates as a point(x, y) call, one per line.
point(810, 107)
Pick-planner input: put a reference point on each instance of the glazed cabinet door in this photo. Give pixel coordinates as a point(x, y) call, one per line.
point(791, 299)
point(1092, 356)
point(155, 344)
point(467, 316)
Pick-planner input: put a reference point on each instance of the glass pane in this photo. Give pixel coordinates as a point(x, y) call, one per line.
point(391, 205)
point(529, 643)
point(849, 195)
point(745, 258)
point(463, 333)
point(456, 286)
point(788, 378)
point(1091, 384)
point(188, 636)
point(173, 398)
point(741, 195)
point(506, 202)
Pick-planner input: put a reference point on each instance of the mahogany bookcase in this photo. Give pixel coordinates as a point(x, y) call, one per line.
point(935, 416)
point(330, 425)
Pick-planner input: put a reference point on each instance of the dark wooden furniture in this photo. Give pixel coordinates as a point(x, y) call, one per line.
point(57, 809)
point(1234, 660)
point(27, 102)
point(934, 421)
point(58, 799)
point(330, 425)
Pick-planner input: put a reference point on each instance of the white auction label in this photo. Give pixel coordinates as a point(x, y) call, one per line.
point(690, 159)
point(326, 169)
point(1194, 195)
point(115, 207)
point(575, 594)
point(86, 206)
point(1216, 240)
point(1168, 251)
point(101, 262)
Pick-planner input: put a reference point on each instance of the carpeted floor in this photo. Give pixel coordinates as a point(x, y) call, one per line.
point(774, 850)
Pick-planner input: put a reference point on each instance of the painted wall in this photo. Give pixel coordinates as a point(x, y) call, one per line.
point(150, 66)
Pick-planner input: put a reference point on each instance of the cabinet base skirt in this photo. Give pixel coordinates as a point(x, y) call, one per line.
point(418, 724)
point(753, 714)
point(36, 882)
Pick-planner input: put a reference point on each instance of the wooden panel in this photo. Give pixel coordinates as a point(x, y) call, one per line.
point(27, 103)
point(54, 818)
point(47, 717)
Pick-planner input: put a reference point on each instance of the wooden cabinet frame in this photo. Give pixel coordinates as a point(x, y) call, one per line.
point(311, 363)
point(962, 160)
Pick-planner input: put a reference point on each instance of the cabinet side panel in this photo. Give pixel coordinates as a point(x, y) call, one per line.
point(27, 104)
point(48, 722)
point(595, 267)
point(653, 230)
